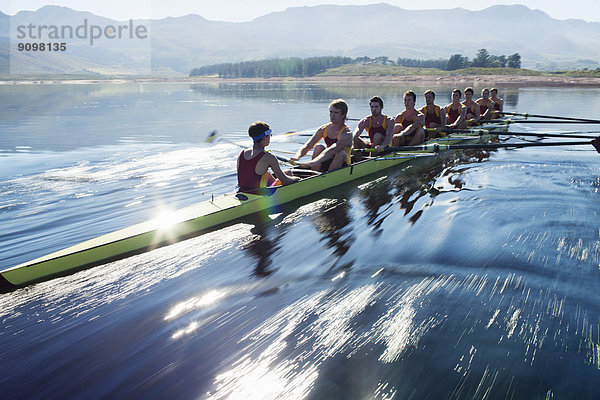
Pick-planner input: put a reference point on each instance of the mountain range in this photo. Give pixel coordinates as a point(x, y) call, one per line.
point(178, 44)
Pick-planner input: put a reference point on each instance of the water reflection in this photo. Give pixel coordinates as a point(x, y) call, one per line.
point(262, 248)
point(277, 92)
point(335, 225)
point(427, 177)
point(374, 196)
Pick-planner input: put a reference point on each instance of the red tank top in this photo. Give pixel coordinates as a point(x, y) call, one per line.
point(435, 116)
point(331, 141)
point(472, 109)
point(372, 130)
point(406, 122)
point(248, 179)
point(483, 107)
point(453, 114)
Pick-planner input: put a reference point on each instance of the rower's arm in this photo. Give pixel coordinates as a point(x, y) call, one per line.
point(397, 124)
point(417, 123)
point(345, 140)
point(442, 116)
point(460, 121)
point(308, 145)
point(278, 172)
point(359, 129)
point(487, 115)
point(389, 132)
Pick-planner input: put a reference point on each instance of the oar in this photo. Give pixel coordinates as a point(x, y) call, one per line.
point(543, 135)
point(212, 136)
point(551, 117)
point(443, 147)
point(486, 131)
point(528, 121)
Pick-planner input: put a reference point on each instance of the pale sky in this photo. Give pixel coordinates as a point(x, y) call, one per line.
point(246, 10)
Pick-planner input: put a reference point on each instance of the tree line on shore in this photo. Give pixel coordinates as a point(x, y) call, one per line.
point(273, 67)
point(483, 60)
point(305, 67)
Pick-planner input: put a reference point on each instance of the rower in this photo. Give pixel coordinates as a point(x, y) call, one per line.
point(435, 117)
point(456, 113)
point(253, 164)
point(486, 105)
point(472, 107)
point(380, 128)
point(337, 137)
point(408, 129)
point(498, 102)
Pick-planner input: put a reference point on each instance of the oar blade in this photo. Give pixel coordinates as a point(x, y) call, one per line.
point(211, 136)
point(596, 144)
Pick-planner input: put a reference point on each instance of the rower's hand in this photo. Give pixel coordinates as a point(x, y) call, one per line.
point(379, 148)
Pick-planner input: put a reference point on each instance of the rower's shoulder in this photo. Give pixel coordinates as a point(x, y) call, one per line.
point(322, 128)
point(246, 153)
point(269, 158)
point(364, 120)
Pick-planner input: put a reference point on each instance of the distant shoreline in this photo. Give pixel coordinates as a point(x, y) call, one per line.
point(400, 80)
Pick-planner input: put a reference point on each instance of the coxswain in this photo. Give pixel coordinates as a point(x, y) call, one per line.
point(408, 128)
point(338, 142)
point(253, 164)
point(380, 128)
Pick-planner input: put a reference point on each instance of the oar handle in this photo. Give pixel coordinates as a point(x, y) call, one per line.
point(285, 160)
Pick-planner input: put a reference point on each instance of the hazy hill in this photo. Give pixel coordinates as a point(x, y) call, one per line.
point(182, 43)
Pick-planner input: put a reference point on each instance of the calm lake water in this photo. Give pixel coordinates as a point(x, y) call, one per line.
point(473, 276)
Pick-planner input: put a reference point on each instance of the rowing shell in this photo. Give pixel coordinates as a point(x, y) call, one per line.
point(199, 218)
